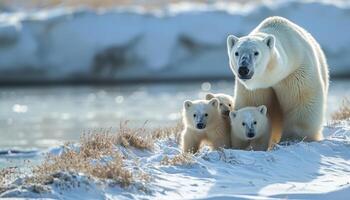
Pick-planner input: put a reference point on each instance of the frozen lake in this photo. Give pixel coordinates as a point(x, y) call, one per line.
point(42, 117)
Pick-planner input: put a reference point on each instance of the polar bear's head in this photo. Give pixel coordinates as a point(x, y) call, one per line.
point(225, 102)
point(249, 57)
point(200, 114)
point(249, 123)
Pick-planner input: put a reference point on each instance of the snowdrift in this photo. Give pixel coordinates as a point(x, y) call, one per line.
point(181, 41)
point(317, 170)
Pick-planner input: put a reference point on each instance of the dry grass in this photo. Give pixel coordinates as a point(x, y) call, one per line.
point(180, 159)
point(168, 132)
point(75, 162)
point(98, 155)
point(343, 112)
point(5, 175)
point(138, 138)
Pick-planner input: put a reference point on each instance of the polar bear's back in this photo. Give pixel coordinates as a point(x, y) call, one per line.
point(296, 40)
point(286, 32)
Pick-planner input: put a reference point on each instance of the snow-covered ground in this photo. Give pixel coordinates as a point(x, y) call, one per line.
point(317, 170)
point(184, 40)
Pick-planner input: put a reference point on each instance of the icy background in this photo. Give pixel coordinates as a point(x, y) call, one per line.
point(175, 42)
point(179, 41)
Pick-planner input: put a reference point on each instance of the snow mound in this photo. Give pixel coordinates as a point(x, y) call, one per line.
point(182, 41)
point(317, 170)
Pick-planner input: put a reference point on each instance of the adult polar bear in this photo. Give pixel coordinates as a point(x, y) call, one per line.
point(281, 65)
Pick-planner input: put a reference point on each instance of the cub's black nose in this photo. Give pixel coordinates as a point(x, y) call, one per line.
point(200, 126)
point(243, 71)
point(250, 134)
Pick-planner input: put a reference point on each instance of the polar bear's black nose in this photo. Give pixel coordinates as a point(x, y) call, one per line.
point(200, 126)
point(244, 63)
point(243, 71)
point(250, 134)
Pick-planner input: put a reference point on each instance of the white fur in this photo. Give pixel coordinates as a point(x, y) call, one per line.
point(225, 102)
point(216, 131)
point(292, 75)
point(262, 128)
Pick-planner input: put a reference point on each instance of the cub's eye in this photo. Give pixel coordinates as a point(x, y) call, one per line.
point(256, 53)
point(220, 104)
point(229, 105)
point(254, 122)
point(243, 124)
point(236, 53)
point(194, 115)
point(206, 114)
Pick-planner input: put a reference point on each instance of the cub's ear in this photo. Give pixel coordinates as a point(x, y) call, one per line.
point(233, 114)
point(209, 96)
point(187, 104)
point(231, 41)
point(262, 109)
point(214, 102)
point(270, 41)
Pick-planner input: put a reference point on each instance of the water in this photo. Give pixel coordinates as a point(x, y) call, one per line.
point(42, 117)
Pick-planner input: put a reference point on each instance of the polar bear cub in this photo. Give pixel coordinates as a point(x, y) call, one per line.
point(225, 102)
point(250, 128)
point(204, 122)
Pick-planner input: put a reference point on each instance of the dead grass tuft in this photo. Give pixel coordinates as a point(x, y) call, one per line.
point(168, 132)
point(98, 155)
point(138, 138)
point(180, 159)
point(102, 165)
point(343, 112)
point(6, 174)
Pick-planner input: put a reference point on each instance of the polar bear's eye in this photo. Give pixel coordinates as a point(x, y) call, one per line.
point(206, 114)
point(243, 124)
point(254, 122)
point(220, 104)
point(256, 53)
point(194, 115)
point(236, 53)
point(229, 105)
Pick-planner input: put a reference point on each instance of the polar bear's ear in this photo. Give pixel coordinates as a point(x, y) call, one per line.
point(270, 41)
point(214, 102)
point(262, 109)
point(231, 41)
point(187, 104)
point(233, 114)
point(209, 96)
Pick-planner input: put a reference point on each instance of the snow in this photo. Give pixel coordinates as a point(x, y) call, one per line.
point(181, 41)
point(317, 170)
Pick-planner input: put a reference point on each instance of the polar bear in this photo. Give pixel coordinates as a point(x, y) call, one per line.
point(204, 122)
point(281, 65)
point(225, 102)
point(250, 128)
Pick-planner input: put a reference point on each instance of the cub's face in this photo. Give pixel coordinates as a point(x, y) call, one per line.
point(248, 123)
point(249, 57)
point(200, 114)
point(225, 102)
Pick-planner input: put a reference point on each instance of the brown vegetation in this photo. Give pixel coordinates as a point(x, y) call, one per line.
point(180, 159)
point(5, 175)
point(98, 155)
point(343, 113)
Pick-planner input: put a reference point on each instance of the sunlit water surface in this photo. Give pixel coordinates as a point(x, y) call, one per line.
point(42, 117)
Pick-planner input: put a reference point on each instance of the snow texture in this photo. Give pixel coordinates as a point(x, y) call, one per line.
point(181, 41)
point(317, 170)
